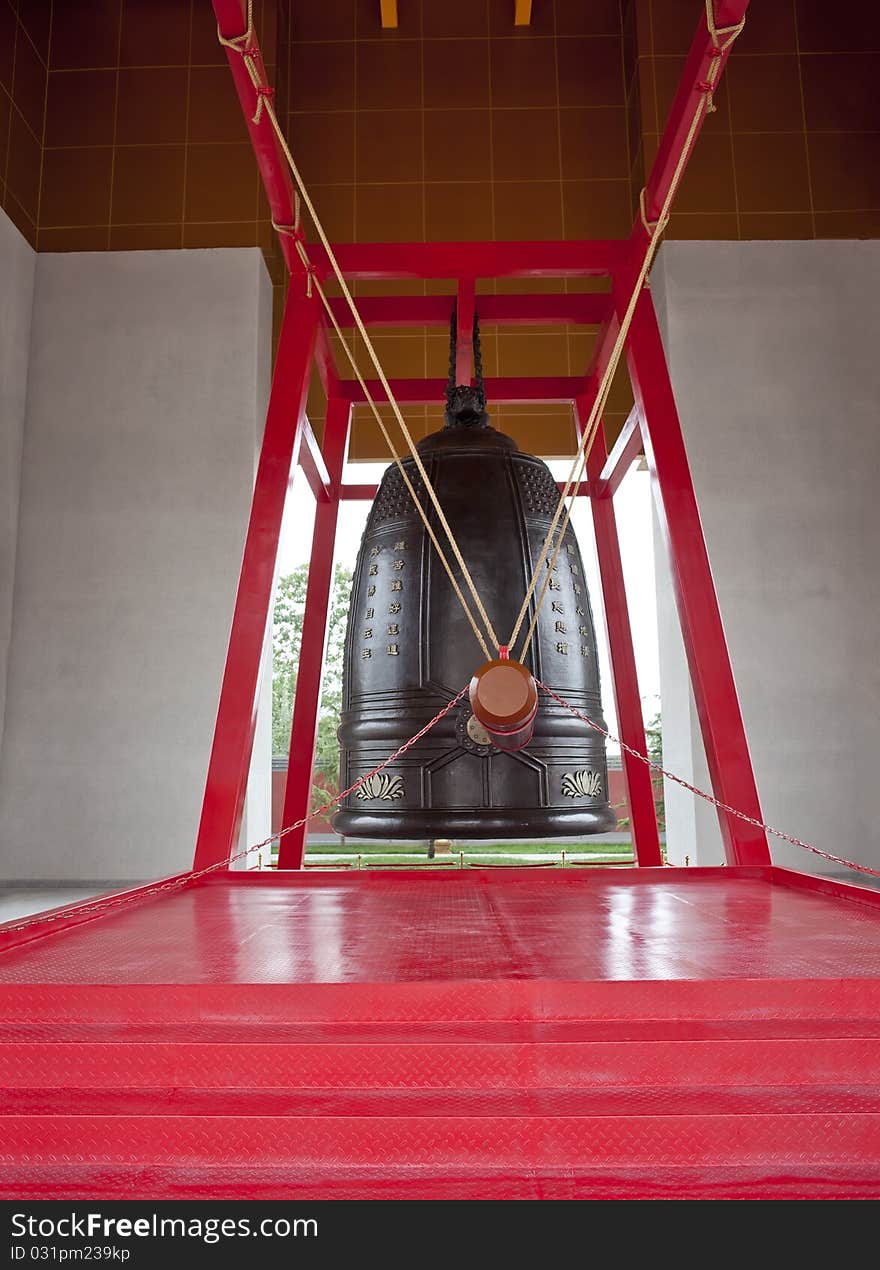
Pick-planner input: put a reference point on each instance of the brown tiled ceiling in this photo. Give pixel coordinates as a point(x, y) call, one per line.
point(594, 139)
point(120, 126)
point(8, 36)
point(151, 105)
point(120, 129)
point(765, 88)
point(772, 173)
point(155, 34)
point(80, 107)
point(76, 188)
point(148, 185)
point(85, 34)
point(324, 143)
point(443, 131)
point(24, 41)
point(456, 211)
point(456, 73)
point(22, 168)
point(29, 84)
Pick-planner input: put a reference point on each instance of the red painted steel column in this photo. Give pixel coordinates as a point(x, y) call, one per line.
point(639, 788)
point(236, 713)
point(721, 722)
point(691, 87)
point(310, 673)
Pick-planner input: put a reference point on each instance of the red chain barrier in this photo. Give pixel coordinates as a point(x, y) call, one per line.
point(102, 906)
point(701, 793)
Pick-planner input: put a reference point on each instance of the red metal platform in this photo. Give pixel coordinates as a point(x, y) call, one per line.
point(474, 1034)
point(481, 1033)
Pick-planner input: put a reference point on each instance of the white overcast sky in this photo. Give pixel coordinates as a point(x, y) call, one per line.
point(632, 505)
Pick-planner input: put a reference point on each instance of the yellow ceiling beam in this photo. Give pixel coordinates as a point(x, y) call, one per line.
point(522, 13)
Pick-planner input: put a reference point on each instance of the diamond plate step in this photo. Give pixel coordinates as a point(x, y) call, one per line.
point(439, 1002)
point(407, 1062)
point(235, 1182)
point(442, 1032)
point(468, 1143)
point(267, 1183)
point(446, 1104)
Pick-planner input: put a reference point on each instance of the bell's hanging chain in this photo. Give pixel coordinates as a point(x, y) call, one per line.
point(478, 361)
point(452, 380)
point(453, 340)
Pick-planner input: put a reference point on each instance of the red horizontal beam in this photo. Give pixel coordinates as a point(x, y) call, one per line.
point(529, 310)
point(545, 388)
point(325, 362)
point(627, 447)
point(311, 460)
point(552, 259)
point(493, 310)
point(357, 493)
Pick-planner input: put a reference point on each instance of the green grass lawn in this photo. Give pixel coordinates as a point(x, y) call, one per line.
point(470, 855)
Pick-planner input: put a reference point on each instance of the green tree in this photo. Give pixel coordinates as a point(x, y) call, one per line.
point(290, 603)
point(654, 744)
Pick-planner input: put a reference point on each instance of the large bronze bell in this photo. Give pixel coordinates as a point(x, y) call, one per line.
point(410, 649)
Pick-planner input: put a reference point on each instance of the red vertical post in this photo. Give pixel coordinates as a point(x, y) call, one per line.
point(310, 673)
point(236, 713)
point(639, 788)
point(721, 722)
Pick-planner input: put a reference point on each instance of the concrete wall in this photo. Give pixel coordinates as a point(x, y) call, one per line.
point(256, 821)
point(682, 747)
point(147, 385)
point(773, 351)
point(17, 264)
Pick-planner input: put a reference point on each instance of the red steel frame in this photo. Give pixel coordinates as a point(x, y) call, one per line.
point(653, 425)
point(307, 702)
point(237, 712)
point(639, 787)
